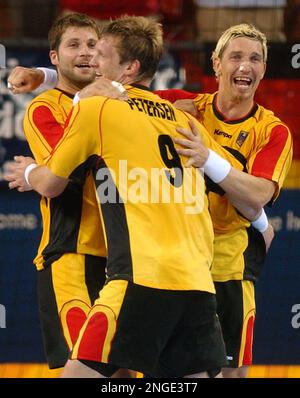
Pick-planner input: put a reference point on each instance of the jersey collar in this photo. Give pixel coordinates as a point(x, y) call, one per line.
point(223, 118)
point(140, 86)
point(65, 92)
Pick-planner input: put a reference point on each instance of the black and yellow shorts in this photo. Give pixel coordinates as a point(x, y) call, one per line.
point(66, 290)
point(236, 311)
point(164, 333)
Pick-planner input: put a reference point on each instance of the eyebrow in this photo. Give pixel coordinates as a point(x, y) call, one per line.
point(78, 39)
point(241, 52)
point(73, 39)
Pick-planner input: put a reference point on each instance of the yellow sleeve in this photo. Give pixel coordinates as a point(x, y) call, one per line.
point(82, 138)
point(274, 159)
point(44, 125)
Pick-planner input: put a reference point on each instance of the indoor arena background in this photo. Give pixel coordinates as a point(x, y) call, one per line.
point(185, 64)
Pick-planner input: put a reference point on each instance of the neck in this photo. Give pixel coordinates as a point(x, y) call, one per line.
point(132, 80)
point(233, 107)
point(68, 88)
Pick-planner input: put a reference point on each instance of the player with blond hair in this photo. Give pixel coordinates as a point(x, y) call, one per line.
point(263, 145)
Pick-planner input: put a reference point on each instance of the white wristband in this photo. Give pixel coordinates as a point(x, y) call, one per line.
point(50, 79)
point(76, 98)
point(28, 170)
point(119, 86)
point(216, 167)
point(261, 223)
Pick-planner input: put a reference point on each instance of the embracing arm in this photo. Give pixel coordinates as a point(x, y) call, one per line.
point(46, 183)
point(246, 192)
point(40, 178)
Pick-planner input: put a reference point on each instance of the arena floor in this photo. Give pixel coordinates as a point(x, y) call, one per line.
point(41, 371)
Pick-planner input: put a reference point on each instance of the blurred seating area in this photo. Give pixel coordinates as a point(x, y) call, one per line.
point(292, 21)
point(177, 16)
point(23, 19)
point(201, 20)
point(266, 15)
point(26, 19)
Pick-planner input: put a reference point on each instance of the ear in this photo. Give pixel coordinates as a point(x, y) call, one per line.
point(263, 74)
point(53, 57)
point(217, 66)
point(133, 68)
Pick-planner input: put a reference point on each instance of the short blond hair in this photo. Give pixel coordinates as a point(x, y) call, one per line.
point(242, 30)
point(140, 38)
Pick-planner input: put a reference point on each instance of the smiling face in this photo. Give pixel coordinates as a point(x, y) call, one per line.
point(107, 61)
point(72, 59)
point(240, 68)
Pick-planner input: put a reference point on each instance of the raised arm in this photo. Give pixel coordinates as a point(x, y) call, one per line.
point(24, 80)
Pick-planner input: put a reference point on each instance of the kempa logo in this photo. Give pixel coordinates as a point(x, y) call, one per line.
point(295, 321)
point(2, 317)
point(220, 132)
point(138, 185)
point(296, 57)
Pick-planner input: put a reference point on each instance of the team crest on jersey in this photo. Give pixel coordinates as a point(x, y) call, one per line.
point(241, 138)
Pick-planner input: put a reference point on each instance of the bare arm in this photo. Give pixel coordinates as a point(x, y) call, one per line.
point(46, 183)
point(104, 87)
point(41, 179)
point(250, 213)
point(246, 190)
point(248, 193)
point(23, 80)
point(268, 236)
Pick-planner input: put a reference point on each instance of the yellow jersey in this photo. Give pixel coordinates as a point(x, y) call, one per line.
point(155, 212)
point(71, 221)
point(263, 144)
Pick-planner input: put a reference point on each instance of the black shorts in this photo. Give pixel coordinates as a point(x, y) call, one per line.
point(164, 333)
point(236, 311)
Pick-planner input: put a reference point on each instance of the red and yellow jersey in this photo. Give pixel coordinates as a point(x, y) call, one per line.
point(155, 212)
point(175, 94)
point(263, 145)
point(71, 221)
point(259, 140)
